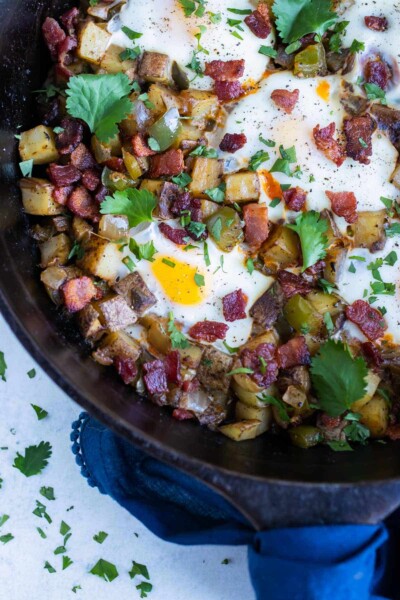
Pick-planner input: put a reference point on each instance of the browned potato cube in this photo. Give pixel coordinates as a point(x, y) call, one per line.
point(156, 68)
point(201, 105)
point(38, 144)
point(101, 259)
point(89, 323)
point(281, 250)
point(375, 416)
point(163, 98)
point(206, 174)
point(104, 150)
point(243, 430)
point(115, 314)
point(242, 187)
point(93, 42)
point(37, 197)
point(117, 345)
point(369, 231)
point(112, 63)
point(55, 251)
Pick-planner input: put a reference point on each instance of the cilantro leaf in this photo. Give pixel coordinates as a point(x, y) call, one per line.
point(66, 562)
point(64, 528)
point(105, 570)
point(138, 569)
point(31, 374)
point(3, 366)
point(297, 18)
point(3, 519)
point(49, 567)
point(26, 167)
point(143, 251)
point(4, 539)
point(311, 228)
point(100, 537)
point(47, 492)
point(178, 340)
point(40, 412)
point(145, 588)
point(337, 389)
point(101, 101)
point(34, 460)
point(137, 205)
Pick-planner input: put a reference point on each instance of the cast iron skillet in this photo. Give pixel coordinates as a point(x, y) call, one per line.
point(271, 483)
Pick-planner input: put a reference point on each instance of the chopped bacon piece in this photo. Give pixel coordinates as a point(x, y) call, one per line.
point(328, 145)
point(293, 284)
point(168, 163)
point(232, 142)
point(358, 132)
point(181, 414)
point(376, 70)
point(101, 194)
point(62, 194)
point(116, 164)
point(191, 386)
point(126, 369)
point(91, 179)
point(262, 362)
point(368, 319)
point(393, 432)
point(82, 158)
point(285, 100)
point(256, 229)
point(371, 354)
point(140, 146)
point(82, 204)
point(155, 377)
point(180, 202)
point(172, 363)
point(63, 175)
point(295, 352)
point(64, 53)
point(295, 198)
point(376, 23)
point(70, 20)
point(234, 306)
point(53, 35)
point(71, 137)
point(178, 236)
point(328, 422)
point(225, 70)
point(208, 331)
point(259, 22)
point(344, 204)
point(228, 90)
point(78, 292)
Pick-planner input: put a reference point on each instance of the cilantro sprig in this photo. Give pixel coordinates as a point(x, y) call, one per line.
point(178, 340)
point(311, 229)
point(137, 205)
point(34, 460)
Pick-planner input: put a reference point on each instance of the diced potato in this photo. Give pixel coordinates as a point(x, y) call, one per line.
point(334, 263)
point(247, 390)
point(395, 179)
point(295, 397)
point(243, 430)
point(281, 250)
point(55, 251)
point(206, 174)
point(375, 416)
point(301, 315)
point(37, 197)
point(152, 185)
point(93, 42)
point(54, 277)
point(156, 68)
point(163, 98)
point(187, 133)
point(191, 356)
point(81, 229)
point(112, 63)
point(373, 381)
point(242, 187)
point(369, 229)
point(268, 337)
point(38, 144)
point(201, 105)
point(208, 208)
point(117, 345)
point(101, 259)
point(324, 303)
point(89, 323)
point(114, 227)
point(243, 412)
point(103, 151)
point(157, 332)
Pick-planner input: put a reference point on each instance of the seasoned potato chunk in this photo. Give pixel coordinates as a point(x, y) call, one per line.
point(281, 250)
point(375, 416)
point(104, 150)
point(373, 380)
point(55, 251)
point(200, 105)
point(206, 175)
point(112, 63)
point(101, 259)
point(37, 197)
point(156, 68)
point(244, 412)
point(38, 144)
point(369, 229)
point(93, 42)
point(243, 430)
point(242, 187)
point(117, 345)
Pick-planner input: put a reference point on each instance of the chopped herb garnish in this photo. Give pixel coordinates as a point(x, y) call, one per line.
point(216, 194)
point(357, 46)
point(393, 229)
point(143, 251)
point(31, 374)
point(362, 142)
point(178, 340)
point(26, 167)
point(138, 569)
point(226, 561)
point(3, 366)
point(250, 266)
point(40, 511)
point(130, 53)
point(199, 280)
point(100, 537)
point(258, 159)
point(105, 570)
point(374, 92)
point(128, 262)
point(216, 229)
point(267, 142)
point(144, 588)
point(183, 179)
point(326, 286)
point(352, 268)
point(196, 7)
point(231, 349)
point(274, 202)
point(77, 251)
point(328, 322)
point(340, 446)
point(41, 532)
point(49, 567)
point(4, 519)
point(239, 371)
point(66, 562)
point(240, 11)
point(47, 492)
point(311, 229)
point(278, 403)
point(268, 51)
point(391, 258)
point(35, 459)
point(196, 228)
point(169, 263)
point(137, 205)
point(294, 20)
point(206, 254)
point(40, 412)
point(132, 35)
point(204, 151)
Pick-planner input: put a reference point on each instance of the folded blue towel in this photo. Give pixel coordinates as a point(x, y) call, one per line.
point(332, 562)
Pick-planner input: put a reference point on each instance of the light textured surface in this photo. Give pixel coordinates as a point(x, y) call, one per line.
point(177, 573)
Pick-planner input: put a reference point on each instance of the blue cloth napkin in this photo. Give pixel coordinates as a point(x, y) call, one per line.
point(340, 562)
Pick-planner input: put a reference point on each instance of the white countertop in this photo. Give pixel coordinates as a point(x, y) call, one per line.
point(176, 572)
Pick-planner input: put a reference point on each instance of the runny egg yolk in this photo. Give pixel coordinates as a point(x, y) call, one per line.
point(178, 280)
point(323, 90)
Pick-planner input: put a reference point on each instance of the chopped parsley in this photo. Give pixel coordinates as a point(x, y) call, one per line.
point(3, 366)
point(77, 251)
point(258, 159)
point(49, 567)
point(357, 46)
point(393, 229)
point(34, 460)
point(206, 254)
point(105, 570)
point(196, 7)
point(268, 51)
point(374, 92)
point(199, 280)
point(274, 202)
point(144, 588)
point(100, 537)
point(178, 340)
point(40, 412)
point(143, 251)
point(26, 167)
point(326, 286)
point(132, 35)
point(47, 492)
point(138, 569)
point(217, 194)
point(31, 374)
point(182, 180)
point(66, 562)
point(196, 228)
point(204, 151)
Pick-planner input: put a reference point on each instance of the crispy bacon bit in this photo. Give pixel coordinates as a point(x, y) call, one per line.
point(376, 23)
point(169, 163)
point(53, 35)
point(169, 192)
point(259, 21)
point(181, 414)
point(91, 179)
point(82, 158)
point(155, 378)
point(328, 145)
point(62, 194)
point(172, 363)
point(82, 204)
point(228, 90)
point(208, 331)
point(328, 422)
point(71, 137)
point(225, 70)
point(101, 194)
point(368, 319)
point(393, 432)
point(377, 71)
point(63, 175)
point(178, 236)
point(262, 362)
point(295, 352)
point(127, 369)
point(232, 142)
point(140, 146)
point(70, 20)
point(371, 354)
point(358, 132)
point(293, 284)
point(295, 198)
point(116, 164)
point(285, 100)
point(256, 225)
point(234, 306)
point(64, 54)
point(344, 204)
point(181, 201)
point(78, 292)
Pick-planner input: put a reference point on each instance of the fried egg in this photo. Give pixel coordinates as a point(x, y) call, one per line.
point(165, 29)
